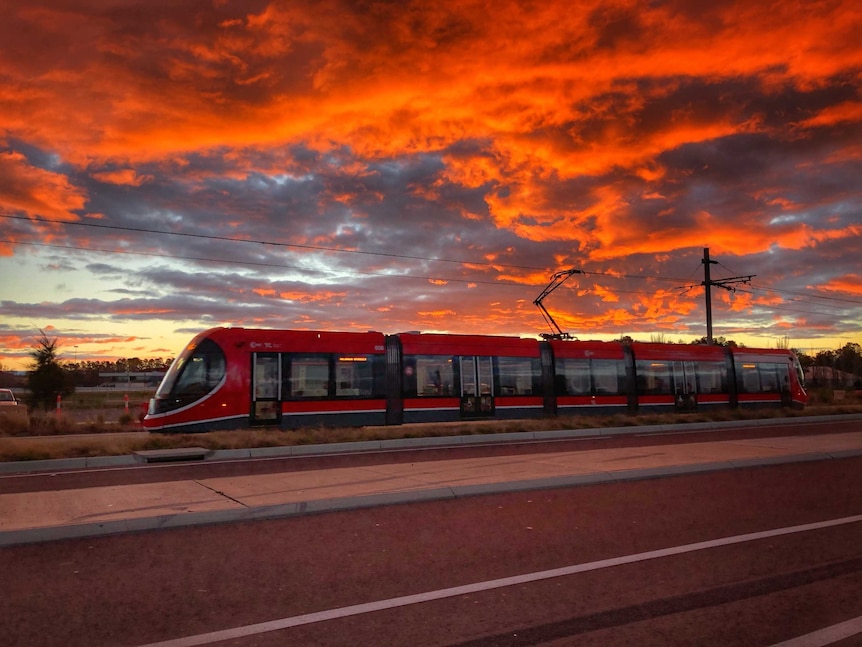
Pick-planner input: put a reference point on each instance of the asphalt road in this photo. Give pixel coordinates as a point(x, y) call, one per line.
point(144, 588)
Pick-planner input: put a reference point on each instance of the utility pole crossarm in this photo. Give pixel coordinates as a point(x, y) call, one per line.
point(557, 280)
point(726, 283)
point(707, 283)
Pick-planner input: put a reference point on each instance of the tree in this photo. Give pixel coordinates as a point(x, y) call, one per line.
point(46, 379)
point(805, 360)
point(849, 359)
point(825, 358)
point(716, 341)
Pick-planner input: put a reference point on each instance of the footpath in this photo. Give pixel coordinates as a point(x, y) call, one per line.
point(48, 515)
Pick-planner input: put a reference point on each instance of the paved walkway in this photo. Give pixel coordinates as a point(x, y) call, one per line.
point(42, 516)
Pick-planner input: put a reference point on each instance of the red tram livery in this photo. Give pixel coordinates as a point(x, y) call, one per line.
point(229, 378)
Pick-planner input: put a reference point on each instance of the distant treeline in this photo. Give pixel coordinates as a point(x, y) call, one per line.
point(88, 373)
point(848, 359)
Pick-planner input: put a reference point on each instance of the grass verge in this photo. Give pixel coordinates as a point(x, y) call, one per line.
point(103, 440)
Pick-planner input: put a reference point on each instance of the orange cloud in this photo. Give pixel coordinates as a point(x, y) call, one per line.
point(848, 111)
point(306, 297)
point(233, 78)
point(15, 342)
point(847, 284)
point(605, 294)
point(437, 314)
point(128, 177)
point(134, 309)
point(36, 192)
point(737, 301)
point(588, 127)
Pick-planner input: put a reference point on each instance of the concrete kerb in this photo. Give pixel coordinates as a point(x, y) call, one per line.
point(109, 461)
point(233, 454)
point(59, 464)
point(375, 500)
point(641, 474)
point(52, 465)
point(779, 460)
point(571, 480)
point(845, 453)
point(335, 448)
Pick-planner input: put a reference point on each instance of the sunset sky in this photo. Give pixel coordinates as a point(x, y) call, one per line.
point(166, 167)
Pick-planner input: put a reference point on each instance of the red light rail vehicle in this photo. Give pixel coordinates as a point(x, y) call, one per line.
point(239, 378)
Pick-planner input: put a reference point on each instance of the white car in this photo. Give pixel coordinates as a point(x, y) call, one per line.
point(7, 398)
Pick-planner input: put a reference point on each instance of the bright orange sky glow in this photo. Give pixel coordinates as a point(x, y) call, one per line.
point(427, 166)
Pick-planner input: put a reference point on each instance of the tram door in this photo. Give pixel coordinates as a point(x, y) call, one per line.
point(784, 384)
point(266, 389)
point(685, 386)
point(477, 386)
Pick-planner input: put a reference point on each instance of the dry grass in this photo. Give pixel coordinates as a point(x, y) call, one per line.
point(66, 439)
point(72, 446)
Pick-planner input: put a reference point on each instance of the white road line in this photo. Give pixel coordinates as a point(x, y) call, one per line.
point(826, 636)
point(380, 605)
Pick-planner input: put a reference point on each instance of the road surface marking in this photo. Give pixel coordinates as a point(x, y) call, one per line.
point(826, 636)
point(419, 598)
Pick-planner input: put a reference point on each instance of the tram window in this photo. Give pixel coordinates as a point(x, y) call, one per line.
point(783, 371)
point(590, 377)
point(711, 377)
point(201, 372)
point(654, 378)
point(519, 375)
point(573, 377)
point(608, 376)
point(429, 376)
point(307, 376)
point(748, 378)
point(358, 375)
point(266, 377)
point(768, 378)
point(800, 374)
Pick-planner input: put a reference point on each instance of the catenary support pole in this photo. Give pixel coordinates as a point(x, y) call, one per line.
point(707, 283)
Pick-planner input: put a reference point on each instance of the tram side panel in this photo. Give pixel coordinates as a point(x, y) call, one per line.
point(204, 389)
point(590, 378)
point(680, 378)
point(236, 378)
point(470, 377)
point(768, 378)
point(229, 378)
point(333, 379)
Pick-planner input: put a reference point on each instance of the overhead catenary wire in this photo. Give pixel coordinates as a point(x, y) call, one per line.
point(319, 248)
point(280, 265)
point(784, 308)
point(687, 284)
point(255, 263)
point(806, 295)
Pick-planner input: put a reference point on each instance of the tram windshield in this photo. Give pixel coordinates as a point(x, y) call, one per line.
point(800, 374)
point(197, 371)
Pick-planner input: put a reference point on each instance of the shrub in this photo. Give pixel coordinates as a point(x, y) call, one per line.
point(14, 426)
point(51, 425)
